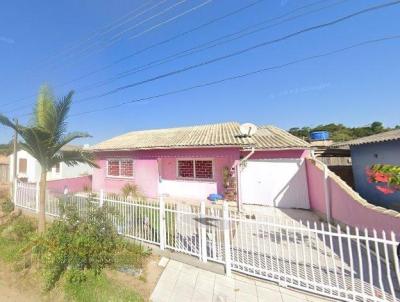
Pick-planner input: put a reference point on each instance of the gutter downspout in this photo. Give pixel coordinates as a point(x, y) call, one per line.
point(238, 165)
point(327, 196)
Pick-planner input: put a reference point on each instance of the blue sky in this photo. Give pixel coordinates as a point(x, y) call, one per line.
point(354, 87)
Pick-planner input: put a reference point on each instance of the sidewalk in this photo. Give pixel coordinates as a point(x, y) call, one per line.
point(182, 282)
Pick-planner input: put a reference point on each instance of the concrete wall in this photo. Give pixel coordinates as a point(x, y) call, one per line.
point(364, 156)
point(347, 206)
point(76, 184)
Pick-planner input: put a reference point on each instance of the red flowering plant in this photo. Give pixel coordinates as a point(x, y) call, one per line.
point(387, 177)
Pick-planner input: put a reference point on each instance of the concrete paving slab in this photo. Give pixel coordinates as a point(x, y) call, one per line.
point(185, 283)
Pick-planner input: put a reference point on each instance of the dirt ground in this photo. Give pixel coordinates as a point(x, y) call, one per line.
point(144, 284)
point(19, 287)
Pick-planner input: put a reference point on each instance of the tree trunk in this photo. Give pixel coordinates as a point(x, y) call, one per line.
point(42, 201)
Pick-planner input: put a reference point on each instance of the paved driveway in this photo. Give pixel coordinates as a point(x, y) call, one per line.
point(182, 282)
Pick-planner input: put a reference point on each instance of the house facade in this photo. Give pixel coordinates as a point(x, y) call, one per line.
point(29, 170)
point(193, 162)
point(383, 148)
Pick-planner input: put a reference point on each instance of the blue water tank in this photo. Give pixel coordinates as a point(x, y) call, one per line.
point(319, 135)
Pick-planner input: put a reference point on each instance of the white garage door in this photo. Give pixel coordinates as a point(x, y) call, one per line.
point(276, 182)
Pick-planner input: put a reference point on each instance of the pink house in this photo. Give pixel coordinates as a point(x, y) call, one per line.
point(194, 162)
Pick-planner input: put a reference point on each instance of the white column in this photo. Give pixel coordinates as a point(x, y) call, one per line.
point(326, 193)
point(227, 240)
point(163, 234)
point(203, 232)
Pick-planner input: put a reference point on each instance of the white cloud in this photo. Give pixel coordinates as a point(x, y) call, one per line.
point(6, 40)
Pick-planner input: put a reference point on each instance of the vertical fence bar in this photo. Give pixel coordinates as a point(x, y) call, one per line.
point(15, 191)
point(371, 277)
point(203, 232)
point(378, 260)
point(162, 228)
point(101, 200)
point(227, 242)
point(360, 263)
point(396, 258)
point(387, 261)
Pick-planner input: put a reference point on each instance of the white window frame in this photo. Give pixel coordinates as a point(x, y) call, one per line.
point(120, 176)
point(194, 169)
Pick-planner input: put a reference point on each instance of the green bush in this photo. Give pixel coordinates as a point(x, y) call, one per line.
point(6, 206)
point(78, 243)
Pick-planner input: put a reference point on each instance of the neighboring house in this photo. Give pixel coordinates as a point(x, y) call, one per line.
point(3, 169)
point(28, 168)
point(382, 148)
point(193, 162)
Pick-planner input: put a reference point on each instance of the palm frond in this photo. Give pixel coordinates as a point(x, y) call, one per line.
point(74, 157)
point(67, 139)
point(62, 107)
point(44, 111)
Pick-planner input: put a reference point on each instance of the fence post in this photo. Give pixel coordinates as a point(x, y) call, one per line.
point(326, 193)
point(15, 191)
point(163, 230)
point(203, 232)
point(101, 200)
point(37, 193)
point(227, 240)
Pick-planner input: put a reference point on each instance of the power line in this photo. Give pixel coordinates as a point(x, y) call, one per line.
point(163, 22)
point(117, 36)
point(207, 45)
point(168, 40)
point(242, 51)
point(117, 23)
point(170, 19)
point(235, 77)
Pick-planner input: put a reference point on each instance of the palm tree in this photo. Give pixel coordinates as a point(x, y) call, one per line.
point(45, 136)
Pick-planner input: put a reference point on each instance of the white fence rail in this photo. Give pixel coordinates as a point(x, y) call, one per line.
point(357, 265)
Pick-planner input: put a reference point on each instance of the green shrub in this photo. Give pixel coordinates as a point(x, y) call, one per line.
point(77, 242)
point(6, 206)
point(131, 190)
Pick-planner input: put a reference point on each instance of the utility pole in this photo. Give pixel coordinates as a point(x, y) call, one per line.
point(15, 158)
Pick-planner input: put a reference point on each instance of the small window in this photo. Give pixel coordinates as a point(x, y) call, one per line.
point(120, 168)
point(185, 168)
point(204, 169)
point(195, 169)
point(22, 165)
point(57, 167)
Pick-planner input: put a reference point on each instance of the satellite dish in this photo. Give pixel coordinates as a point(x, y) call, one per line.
point(248, 129)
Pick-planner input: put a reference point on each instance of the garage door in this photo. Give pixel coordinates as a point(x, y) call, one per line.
point(275, 182)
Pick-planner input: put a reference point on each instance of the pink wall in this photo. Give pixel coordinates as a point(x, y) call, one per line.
point(146, 165)
point(76, 184)
point(348, 207)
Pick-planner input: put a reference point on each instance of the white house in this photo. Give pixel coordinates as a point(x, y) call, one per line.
point(28, 168)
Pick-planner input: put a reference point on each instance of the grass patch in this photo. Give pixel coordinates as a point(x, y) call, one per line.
point(14, 237)
point(100, 289)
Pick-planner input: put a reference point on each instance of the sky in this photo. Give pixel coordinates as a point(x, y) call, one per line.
point(78, 45)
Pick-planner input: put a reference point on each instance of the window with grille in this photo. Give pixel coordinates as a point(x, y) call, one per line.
point(195, 169)
point(120, 167)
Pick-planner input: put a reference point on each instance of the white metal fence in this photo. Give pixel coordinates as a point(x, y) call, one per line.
point(349, 265)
